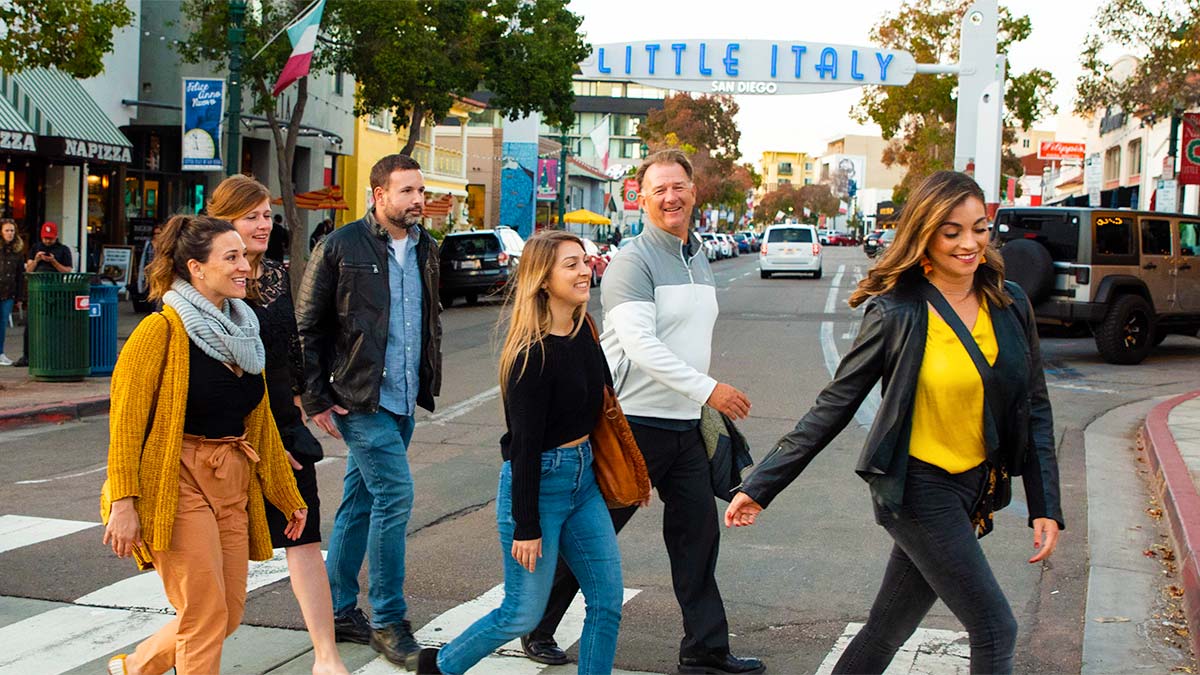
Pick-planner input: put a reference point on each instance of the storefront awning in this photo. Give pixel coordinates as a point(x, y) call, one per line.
point(15, 134)
point(65, 118)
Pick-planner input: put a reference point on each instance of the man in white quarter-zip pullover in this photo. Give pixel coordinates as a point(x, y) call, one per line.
point(660, 307)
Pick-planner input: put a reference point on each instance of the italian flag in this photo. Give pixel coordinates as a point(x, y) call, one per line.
point(303, 34)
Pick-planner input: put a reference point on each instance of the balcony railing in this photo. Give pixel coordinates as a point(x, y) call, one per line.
point(446, 162)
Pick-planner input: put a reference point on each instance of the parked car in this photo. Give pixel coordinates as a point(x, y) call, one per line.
point(753, 239)
point(722, 247)
point(1127, 278)
point(597, 260)
point(840, 239)
point(877, 244)
point(478, 263)
point(731, 243)
point(743, 243)
point(712, 250)
point(790, 248)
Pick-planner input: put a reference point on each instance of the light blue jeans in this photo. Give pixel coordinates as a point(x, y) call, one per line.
point(575, 523)
point(377, 498)
point(6, 308)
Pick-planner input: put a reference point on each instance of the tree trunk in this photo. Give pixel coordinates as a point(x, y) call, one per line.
point(285, 154)
point(414, 132)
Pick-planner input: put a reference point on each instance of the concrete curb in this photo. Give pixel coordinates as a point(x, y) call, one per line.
point(1181, 504)
point(53, 412)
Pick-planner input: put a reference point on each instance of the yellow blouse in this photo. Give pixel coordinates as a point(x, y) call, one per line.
point(947, 420)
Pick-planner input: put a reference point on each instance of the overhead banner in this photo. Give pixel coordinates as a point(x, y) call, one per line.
point(203, 109)
point(748, 66)
point(1189, 169)
point(630, 194)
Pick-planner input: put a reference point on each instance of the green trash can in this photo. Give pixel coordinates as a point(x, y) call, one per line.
point(58, 326)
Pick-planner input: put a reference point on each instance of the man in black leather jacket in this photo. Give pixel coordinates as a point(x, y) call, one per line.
point(369, 322)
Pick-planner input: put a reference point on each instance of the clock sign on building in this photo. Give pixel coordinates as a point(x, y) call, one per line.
point(203, 108)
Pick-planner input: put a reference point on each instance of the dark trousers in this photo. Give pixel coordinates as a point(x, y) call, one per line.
point(936, 555)
point(678, 466)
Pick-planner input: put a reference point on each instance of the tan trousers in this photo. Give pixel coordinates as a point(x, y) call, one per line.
point(204, 572)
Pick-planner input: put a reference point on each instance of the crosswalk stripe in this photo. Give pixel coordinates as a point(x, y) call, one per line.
point(928, 652)
point(68, 637)
point(19, 531)
point(145, 591)
point(448, 625)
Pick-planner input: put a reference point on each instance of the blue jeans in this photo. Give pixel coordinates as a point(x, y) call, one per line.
point(377, 498)
point(575, 523)
point(936, 555)
point(6, 307)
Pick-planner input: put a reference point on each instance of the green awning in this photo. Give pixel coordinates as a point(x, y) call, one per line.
point(66, 119)
point(15, 134)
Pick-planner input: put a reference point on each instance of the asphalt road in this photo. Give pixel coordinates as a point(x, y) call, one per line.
point(791, 584)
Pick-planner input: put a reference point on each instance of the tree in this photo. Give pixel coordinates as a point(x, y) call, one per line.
point(703, 127)
point(411, 56)
point(415, 56)
point(71, 35)
point(1167, 44)
point(792, 201)
point(918, 119)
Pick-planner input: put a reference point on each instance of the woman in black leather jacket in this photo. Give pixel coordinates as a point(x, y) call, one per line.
point(956, 421)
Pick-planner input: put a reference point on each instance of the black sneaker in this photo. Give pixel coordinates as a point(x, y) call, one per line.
point(395, 641)
point(714, 664)
point(543, 650)
point(352, 626)
point(423, 662)
point(22, 362)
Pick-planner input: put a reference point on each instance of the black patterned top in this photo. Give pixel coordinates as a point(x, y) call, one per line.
point(277, 317)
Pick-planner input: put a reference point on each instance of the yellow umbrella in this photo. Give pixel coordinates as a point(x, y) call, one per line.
point(585, 217)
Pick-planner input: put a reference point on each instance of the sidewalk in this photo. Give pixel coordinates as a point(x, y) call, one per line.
point(24, 400)
point(1172, 438)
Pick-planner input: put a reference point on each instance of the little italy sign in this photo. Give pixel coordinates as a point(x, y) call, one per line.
point(748, 66)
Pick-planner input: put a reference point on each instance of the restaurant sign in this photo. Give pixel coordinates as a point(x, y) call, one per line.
point(748, 66)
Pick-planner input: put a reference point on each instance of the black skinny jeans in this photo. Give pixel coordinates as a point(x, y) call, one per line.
point(678, 468)
point(936, 555)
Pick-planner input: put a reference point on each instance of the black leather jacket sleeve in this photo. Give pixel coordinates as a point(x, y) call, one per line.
point(1040, 474)
point(316, 320)
point(835, 407)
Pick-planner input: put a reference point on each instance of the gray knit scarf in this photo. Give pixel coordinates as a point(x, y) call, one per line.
point(229, 334)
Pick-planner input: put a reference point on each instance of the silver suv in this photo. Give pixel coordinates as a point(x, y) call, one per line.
point(1130, 278)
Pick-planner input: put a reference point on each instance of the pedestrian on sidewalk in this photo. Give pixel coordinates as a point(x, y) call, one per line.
point(323, 229)
point(552, 376)
point(371, 330)
point(279, 242)
point(957, 349)
point(660, 307)
point(12, 273)
point(47, 255)
point(247, 204)
point(193, 448)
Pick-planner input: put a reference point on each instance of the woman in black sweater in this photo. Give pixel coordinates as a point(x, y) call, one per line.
point(552, 374)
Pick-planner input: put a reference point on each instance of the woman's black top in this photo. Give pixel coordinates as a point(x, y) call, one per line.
point(556, 400)
point(285, 359)
point(218, 400)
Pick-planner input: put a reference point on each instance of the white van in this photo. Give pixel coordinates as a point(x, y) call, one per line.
point(790, 248)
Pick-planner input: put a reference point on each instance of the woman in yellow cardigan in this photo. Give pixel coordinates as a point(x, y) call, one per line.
point(193, 447)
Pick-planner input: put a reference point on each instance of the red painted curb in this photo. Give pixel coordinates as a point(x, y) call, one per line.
point(1181, 504)
point(53, 413)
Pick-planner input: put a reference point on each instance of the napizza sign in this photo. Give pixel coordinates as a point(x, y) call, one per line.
point(747, 66)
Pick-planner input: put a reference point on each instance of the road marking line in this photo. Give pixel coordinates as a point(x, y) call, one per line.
point(63, 477)
point(19, 531)
point(462, 407)
point(927, 652)
point(144, 591)
point(451, 623)
point(68, 637)
point(865, 415)
point(1081, 387)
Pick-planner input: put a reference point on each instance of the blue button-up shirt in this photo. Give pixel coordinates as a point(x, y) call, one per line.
point(398, 392)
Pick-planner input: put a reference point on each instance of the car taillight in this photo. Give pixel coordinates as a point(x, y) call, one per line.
point(502, 258)
point(816, 248)
point(762, 250)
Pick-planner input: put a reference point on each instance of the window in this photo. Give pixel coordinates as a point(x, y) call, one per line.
point(785, 168)
point(381, 120)
point(1114, 240)
point(1156, 237)
point(1112, 164)
point(790, 235)
point(585, 88)
point(1189, 237)
point(469, 245)
point(1135, 157)
point(631, 149)
point(1025, 143)
point(784, 181)
point(338, 85)
point(807, 166)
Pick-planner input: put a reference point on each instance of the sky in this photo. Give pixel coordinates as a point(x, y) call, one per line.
point(807, 123)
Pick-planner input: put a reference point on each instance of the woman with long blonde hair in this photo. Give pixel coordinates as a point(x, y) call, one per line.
point(552, 377)
point(246, 203)
point(964, 409)
point(12, 274)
